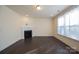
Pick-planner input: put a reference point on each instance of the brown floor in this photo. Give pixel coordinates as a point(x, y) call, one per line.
point(39, 45)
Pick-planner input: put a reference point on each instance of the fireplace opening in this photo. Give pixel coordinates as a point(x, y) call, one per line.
point(27, 34)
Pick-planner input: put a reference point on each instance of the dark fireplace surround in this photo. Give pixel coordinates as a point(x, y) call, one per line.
point(27, 34)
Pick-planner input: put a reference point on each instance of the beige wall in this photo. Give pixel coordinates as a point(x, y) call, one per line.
point(12, 25)
point(39, 26)
point(71, 42)
point(42, 27)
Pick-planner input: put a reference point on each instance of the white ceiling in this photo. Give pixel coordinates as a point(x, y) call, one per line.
point(46, 11)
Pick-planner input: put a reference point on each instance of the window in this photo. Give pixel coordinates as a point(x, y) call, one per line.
point(61, 24)
point(68, 24)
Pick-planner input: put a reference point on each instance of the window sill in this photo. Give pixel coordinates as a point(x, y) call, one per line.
point(69, 37)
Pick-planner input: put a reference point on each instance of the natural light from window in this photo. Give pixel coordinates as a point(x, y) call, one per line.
point(68, 24)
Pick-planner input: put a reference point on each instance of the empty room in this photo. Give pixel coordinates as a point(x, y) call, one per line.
point(39, 29)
